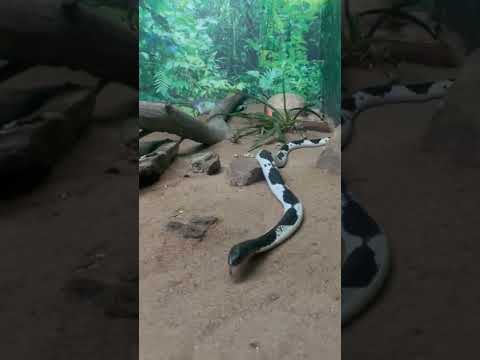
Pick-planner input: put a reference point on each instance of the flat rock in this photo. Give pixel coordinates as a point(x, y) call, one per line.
point(153, 164)
point(244, 171)
point(196, 228)
point(291, 101)
point(206, 163)
point(203, 220)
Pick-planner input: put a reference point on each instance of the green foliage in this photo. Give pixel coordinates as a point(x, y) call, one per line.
point(192, 49)
point(272, 127)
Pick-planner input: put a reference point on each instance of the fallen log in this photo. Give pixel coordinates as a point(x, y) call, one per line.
point(166, 118)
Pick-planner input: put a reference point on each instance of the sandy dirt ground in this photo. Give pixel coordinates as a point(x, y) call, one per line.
point(80, 223)
point(287, 307)
point(423, 203)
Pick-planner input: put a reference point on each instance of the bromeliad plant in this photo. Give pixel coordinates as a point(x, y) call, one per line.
point(270, 127)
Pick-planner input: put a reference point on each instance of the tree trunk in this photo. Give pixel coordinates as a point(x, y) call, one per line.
point(64, 33)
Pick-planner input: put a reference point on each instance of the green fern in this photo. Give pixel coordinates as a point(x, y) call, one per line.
point(160, 83)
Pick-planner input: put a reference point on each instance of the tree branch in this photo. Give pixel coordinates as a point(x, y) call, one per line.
point(163, 117)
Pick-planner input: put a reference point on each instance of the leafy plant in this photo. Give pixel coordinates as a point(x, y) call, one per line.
point(272, 127)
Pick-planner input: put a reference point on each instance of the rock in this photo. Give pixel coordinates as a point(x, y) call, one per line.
point(174, 225)
point(454, 130)
point(254, 345)
point(273, 297)
point(190, 231)
point(291, 101)
point(153, 165)
point(330, 158)
point(244, 171)
point(203, 220)
point(196, 228)
point(319, 125)
point(208, 163)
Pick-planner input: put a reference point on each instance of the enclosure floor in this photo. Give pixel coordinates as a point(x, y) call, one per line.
point(48, 235)
point(421, 204)
point(288, 306)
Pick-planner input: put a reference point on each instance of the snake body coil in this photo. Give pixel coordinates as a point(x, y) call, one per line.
point(365, 251)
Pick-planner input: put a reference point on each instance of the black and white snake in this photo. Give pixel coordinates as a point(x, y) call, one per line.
point(365, 252)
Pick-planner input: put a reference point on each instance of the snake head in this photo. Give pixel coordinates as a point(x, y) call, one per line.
point(238, 255)
point(235, 256)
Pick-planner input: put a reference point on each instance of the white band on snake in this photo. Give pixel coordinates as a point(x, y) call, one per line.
point(365, 250)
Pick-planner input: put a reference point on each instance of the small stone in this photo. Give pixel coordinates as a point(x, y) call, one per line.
point(190, 231)
point(195, 229)
point(208, 163)
point(254, 345)
point(203, 220)
point(272, 297)
point(244, 171)
point(174, 225)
